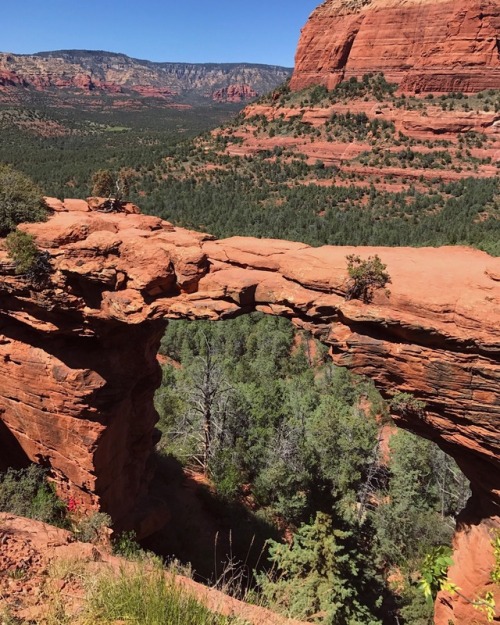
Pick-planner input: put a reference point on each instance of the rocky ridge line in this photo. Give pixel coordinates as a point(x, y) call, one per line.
point(112, 73)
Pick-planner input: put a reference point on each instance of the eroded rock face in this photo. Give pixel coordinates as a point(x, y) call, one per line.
point(234, 93)
point(92, 71)
point(423, 45)
point(78, 364)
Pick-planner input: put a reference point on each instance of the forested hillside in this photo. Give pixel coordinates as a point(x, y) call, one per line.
point(314, 166)
point(342, 168)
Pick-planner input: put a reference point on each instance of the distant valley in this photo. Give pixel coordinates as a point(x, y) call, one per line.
point(65, 114)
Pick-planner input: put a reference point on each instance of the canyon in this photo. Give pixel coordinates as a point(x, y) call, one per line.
point(78, 357)
point(424, 46)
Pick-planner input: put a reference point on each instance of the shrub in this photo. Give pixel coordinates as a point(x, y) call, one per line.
point(28, 259)
point(365, 277)
point(25, 492)
point(125, 545)
point(22, 249)
point(317, 574)
point(93, 529)
point(405, 403)
point(20, 200)
point(434, 572)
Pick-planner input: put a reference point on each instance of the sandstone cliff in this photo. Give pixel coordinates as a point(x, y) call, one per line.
point(78, 364)
point(423, 45)
point(234, 93)
point(114, 73)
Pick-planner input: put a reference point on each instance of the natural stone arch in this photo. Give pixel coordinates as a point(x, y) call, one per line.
point(78, 364)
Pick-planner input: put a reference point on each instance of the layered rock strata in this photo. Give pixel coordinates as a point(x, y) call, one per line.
point(423, 45)
point(78, 364)
point(234, 93)
point(92, 71)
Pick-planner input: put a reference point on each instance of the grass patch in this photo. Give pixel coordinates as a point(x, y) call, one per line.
point(143, 596)
point(116, 129)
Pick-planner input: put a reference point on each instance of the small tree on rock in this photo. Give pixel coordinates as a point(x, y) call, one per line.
point(114, 187)
point(366, 276)
point(103, 183)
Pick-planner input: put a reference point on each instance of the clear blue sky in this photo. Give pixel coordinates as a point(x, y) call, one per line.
point(257, 31)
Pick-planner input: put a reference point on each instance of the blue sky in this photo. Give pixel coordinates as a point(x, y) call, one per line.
point(257, 31)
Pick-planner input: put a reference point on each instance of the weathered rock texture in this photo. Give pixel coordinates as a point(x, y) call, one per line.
point(78, 361)
point(423, 45)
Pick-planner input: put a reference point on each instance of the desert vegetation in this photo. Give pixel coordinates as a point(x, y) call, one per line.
point(25, 492)
point(301, 442)
point(394, 189)
point(20, 200)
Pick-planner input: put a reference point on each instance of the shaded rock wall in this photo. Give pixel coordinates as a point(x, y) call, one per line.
point(423, 45)
point(80, 404)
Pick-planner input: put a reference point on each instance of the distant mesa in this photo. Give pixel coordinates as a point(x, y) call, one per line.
point(435, 46)
point(111, 73)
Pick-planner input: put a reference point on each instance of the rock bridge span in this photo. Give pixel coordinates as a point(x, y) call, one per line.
point(78, 366)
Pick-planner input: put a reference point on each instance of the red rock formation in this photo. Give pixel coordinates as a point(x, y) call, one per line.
point(40, 82)
point(11, 79)
point(148, 91)
point(423, 45)
point(234, 93)
point(473, 561)
point(78, 363)
point(113, 73)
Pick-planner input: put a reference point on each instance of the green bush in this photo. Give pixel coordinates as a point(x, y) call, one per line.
point(317, 574)
point(406, 404)
point(25, 492)
point(28, 259)
point(22, 249)
point(20, 200)
point(125, 545)
point(435, 571)
point(92, 529)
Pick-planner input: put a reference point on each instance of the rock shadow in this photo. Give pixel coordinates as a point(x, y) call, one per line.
point(12, 455)
point(224, 542)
